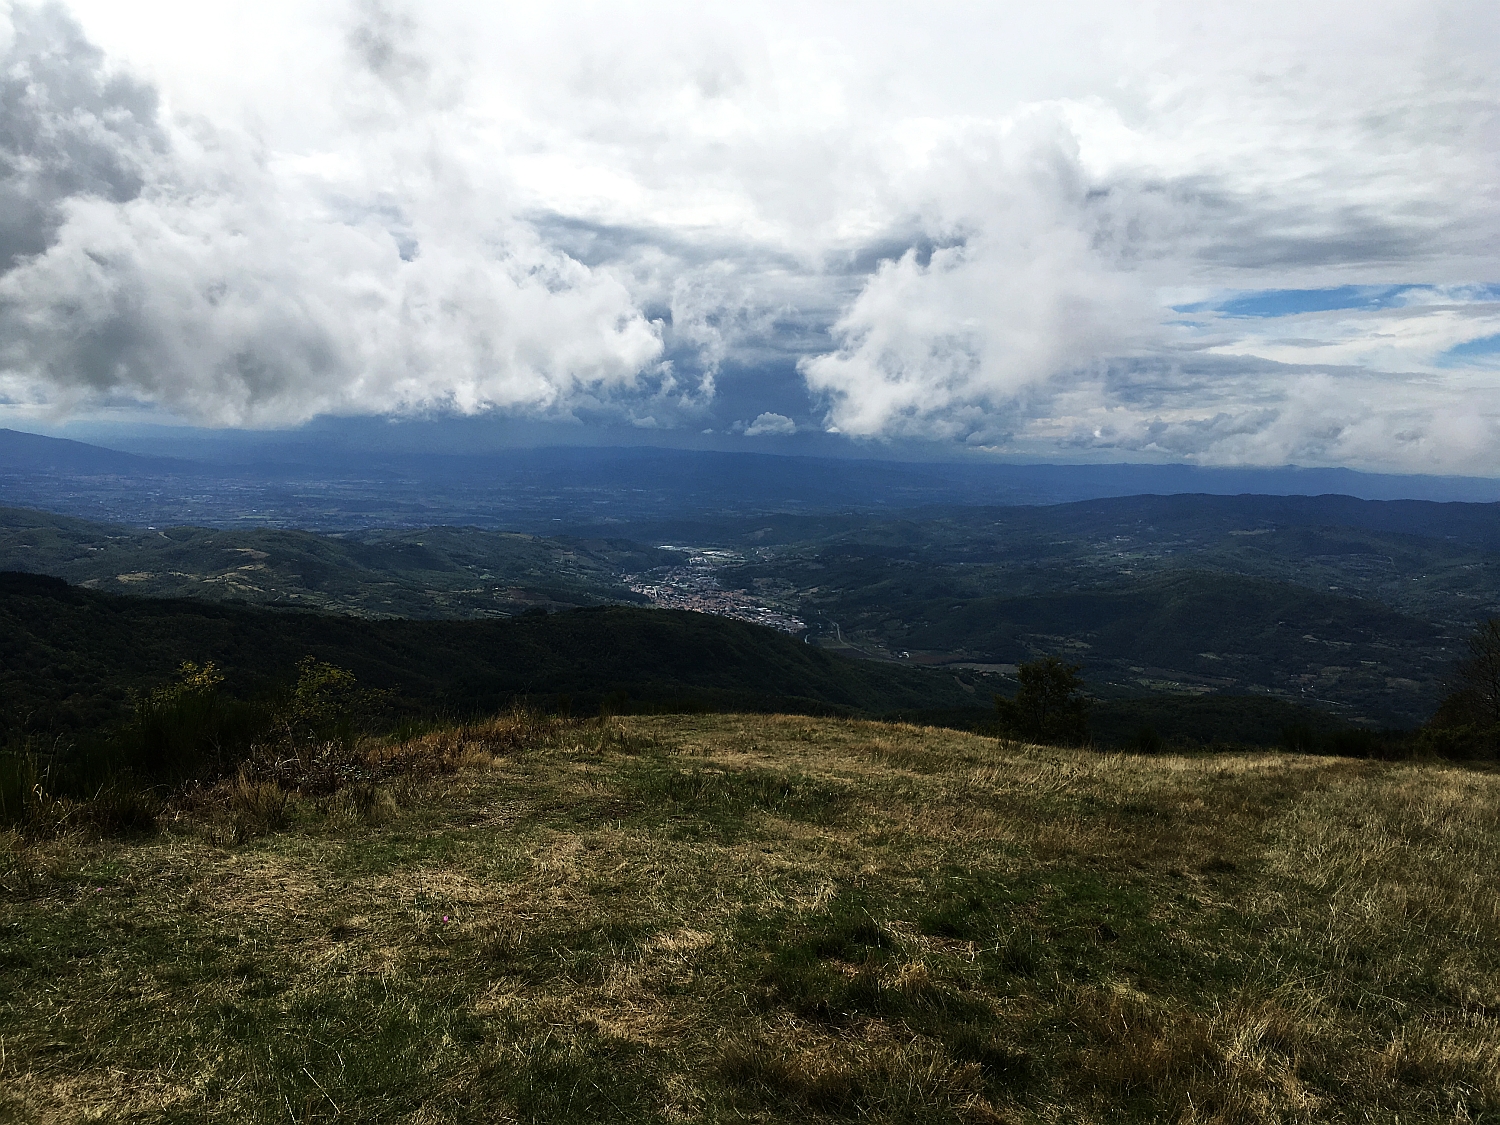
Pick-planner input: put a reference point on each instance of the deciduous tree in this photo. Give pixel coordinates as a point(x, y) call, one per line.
point(1051, 705)
point(1467, 723)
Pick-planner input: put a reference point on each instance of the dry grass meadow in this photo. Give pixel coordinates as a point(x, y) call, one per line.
point(748, 918)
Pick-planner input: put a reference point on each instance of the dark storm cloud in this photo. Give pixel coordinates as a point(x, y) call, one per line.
point(1224, 227)
point(383, 40)
point(68, 127)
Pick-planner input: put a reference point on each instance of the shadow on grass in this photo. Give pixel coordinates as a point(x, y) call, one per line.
point(715, 803)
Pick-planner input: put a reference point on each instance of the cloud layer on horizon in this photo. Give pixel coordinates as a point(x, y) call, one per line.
point(1023, 232)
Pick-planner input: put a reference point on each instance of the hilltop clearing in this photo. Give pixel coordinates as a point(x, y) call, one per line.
point(766, 918)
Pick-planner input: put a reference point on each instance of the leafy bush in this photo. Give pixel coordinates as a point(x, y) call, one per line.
point(1444, 738)
point(324, 706)
point(255, 806)
point(185, 731)
point(189, 732)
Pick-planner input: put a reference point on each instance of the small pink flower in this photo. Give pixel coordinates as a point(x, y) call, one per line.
point(445, 917)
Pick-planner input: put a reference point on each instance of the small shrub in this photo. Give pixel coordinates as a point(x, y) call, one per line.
point(256, 806)
point(20, 787)
point(120, 809)
point(364, 801)
point(182, 731)
point(314, 769)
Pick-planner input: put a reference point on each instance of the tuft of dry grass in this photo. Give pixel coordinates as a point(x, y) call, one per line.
point(765, 918)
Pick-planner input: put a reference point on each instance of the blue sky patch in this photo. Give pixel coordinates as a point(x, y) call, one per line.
point(1483, 347)
point(1289, 302)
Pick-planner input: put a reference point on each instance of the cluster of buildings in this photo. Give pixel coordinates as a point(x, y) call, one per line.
point(693, 586)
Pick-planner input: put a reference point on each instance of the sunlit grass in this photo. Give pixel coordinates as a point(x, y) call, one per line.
point(724, 918)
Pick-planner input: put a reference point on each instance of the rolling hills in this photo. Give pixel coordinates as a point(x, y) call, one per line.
point(436, 572)
point(1357, 607)
point(70, 658)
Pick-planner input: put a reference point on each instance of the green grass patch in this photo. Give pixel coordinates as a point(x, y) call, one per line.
point(720, 918)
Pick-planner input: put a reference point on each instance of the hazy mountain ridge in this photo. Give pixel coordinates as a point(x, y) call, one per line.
point(330, 486)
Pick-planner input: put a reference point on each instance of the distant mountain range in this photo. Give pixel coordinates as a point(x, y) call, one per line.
point(339, 487)
point(34, 453)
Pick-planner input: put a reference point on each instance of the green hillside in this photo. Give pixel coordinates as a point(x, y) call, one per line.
point(1172, 596)
point(437, 572)
point(1183, 629)
point(70, 657)
point(1178, 618)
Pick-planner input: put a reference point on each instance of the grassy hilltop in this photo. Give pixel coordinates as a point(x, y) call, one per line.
point(764, 918)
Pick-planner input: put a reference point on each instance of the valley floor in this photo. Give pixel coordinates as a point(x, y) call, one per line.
point(740, 918)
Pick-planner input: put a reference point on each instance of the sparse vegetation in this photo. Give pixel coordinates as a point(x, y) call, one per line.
point(772, 918)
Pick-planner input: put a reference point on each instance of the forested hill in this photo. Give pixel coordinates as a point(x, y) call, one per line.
point(70, 658)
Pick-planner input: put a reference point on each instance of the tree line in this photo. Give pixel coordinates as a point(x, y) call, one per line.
point(1052, 707)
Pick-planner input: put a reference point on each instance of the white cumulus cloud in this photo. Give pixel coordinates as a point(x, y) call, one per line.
point(975, 223)
point(770, 423)
point(235, 292)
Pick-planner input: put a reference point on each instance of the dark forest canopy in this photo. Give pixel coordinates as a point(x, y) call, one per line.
point(71, 657)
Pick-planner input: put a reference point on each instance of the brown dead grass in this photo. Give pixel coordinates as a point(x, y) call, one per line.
point(554, 928)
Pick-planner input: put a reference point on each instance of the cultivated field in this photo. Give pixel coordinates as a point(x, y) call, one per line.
point(731, 918)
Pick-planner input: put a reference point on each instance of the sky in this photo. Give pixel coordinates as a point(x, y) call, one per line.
point(1215, 233)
